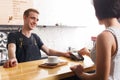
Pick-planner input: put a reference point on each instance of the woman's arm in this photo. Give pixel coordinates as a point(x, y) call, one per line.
point(105, 47)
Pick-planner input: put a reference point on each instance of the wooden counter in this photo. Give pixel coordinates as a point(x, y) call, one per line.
point(31, 71)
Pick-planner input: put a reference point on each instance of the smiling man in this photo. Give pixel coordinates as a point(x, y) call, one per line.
point(24, 45)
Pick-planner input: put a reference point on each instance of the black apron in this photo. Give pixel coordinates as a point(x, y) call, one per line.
point(27, 52)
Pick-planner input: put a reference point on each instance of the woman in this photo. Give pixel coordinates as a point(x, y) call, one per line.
point(107, 43)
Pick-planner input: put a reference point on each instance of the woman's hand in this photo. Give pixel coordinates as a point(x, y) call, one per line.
point(84, 51)
point(77, 69)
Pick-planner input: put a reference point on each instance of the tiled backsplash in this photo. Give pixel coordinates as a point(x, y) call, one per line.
point(60, 38)
point(55, 37)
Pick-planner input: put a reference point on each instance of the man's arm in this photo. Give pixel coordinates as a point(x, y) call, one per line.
point(11, 50)
point(52, 52)
point(12, 61)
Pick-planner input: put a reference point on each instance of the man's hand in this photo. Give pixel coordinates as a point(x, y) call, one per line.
point(10, 63)
point(67, 54)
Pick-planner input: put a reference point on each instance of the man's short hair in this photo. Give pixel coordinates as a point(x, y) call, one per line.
point(26, 12)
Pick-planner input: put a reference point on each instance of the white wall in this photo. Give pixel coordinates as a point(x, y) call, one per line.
point(66, 12)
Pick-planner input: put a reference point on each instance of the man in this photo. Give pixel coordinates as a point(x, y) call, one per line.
point(24, 45)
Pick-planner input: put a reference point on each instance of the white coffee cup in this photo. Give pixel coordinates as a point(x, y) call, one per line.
point(53, 59)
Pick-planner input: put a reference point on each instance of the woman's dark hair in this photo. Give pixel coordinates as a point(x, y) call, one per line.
point(107, 8)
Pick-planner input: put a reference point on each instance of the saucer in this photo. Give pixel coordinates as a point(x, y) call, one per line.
point(51, 66)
